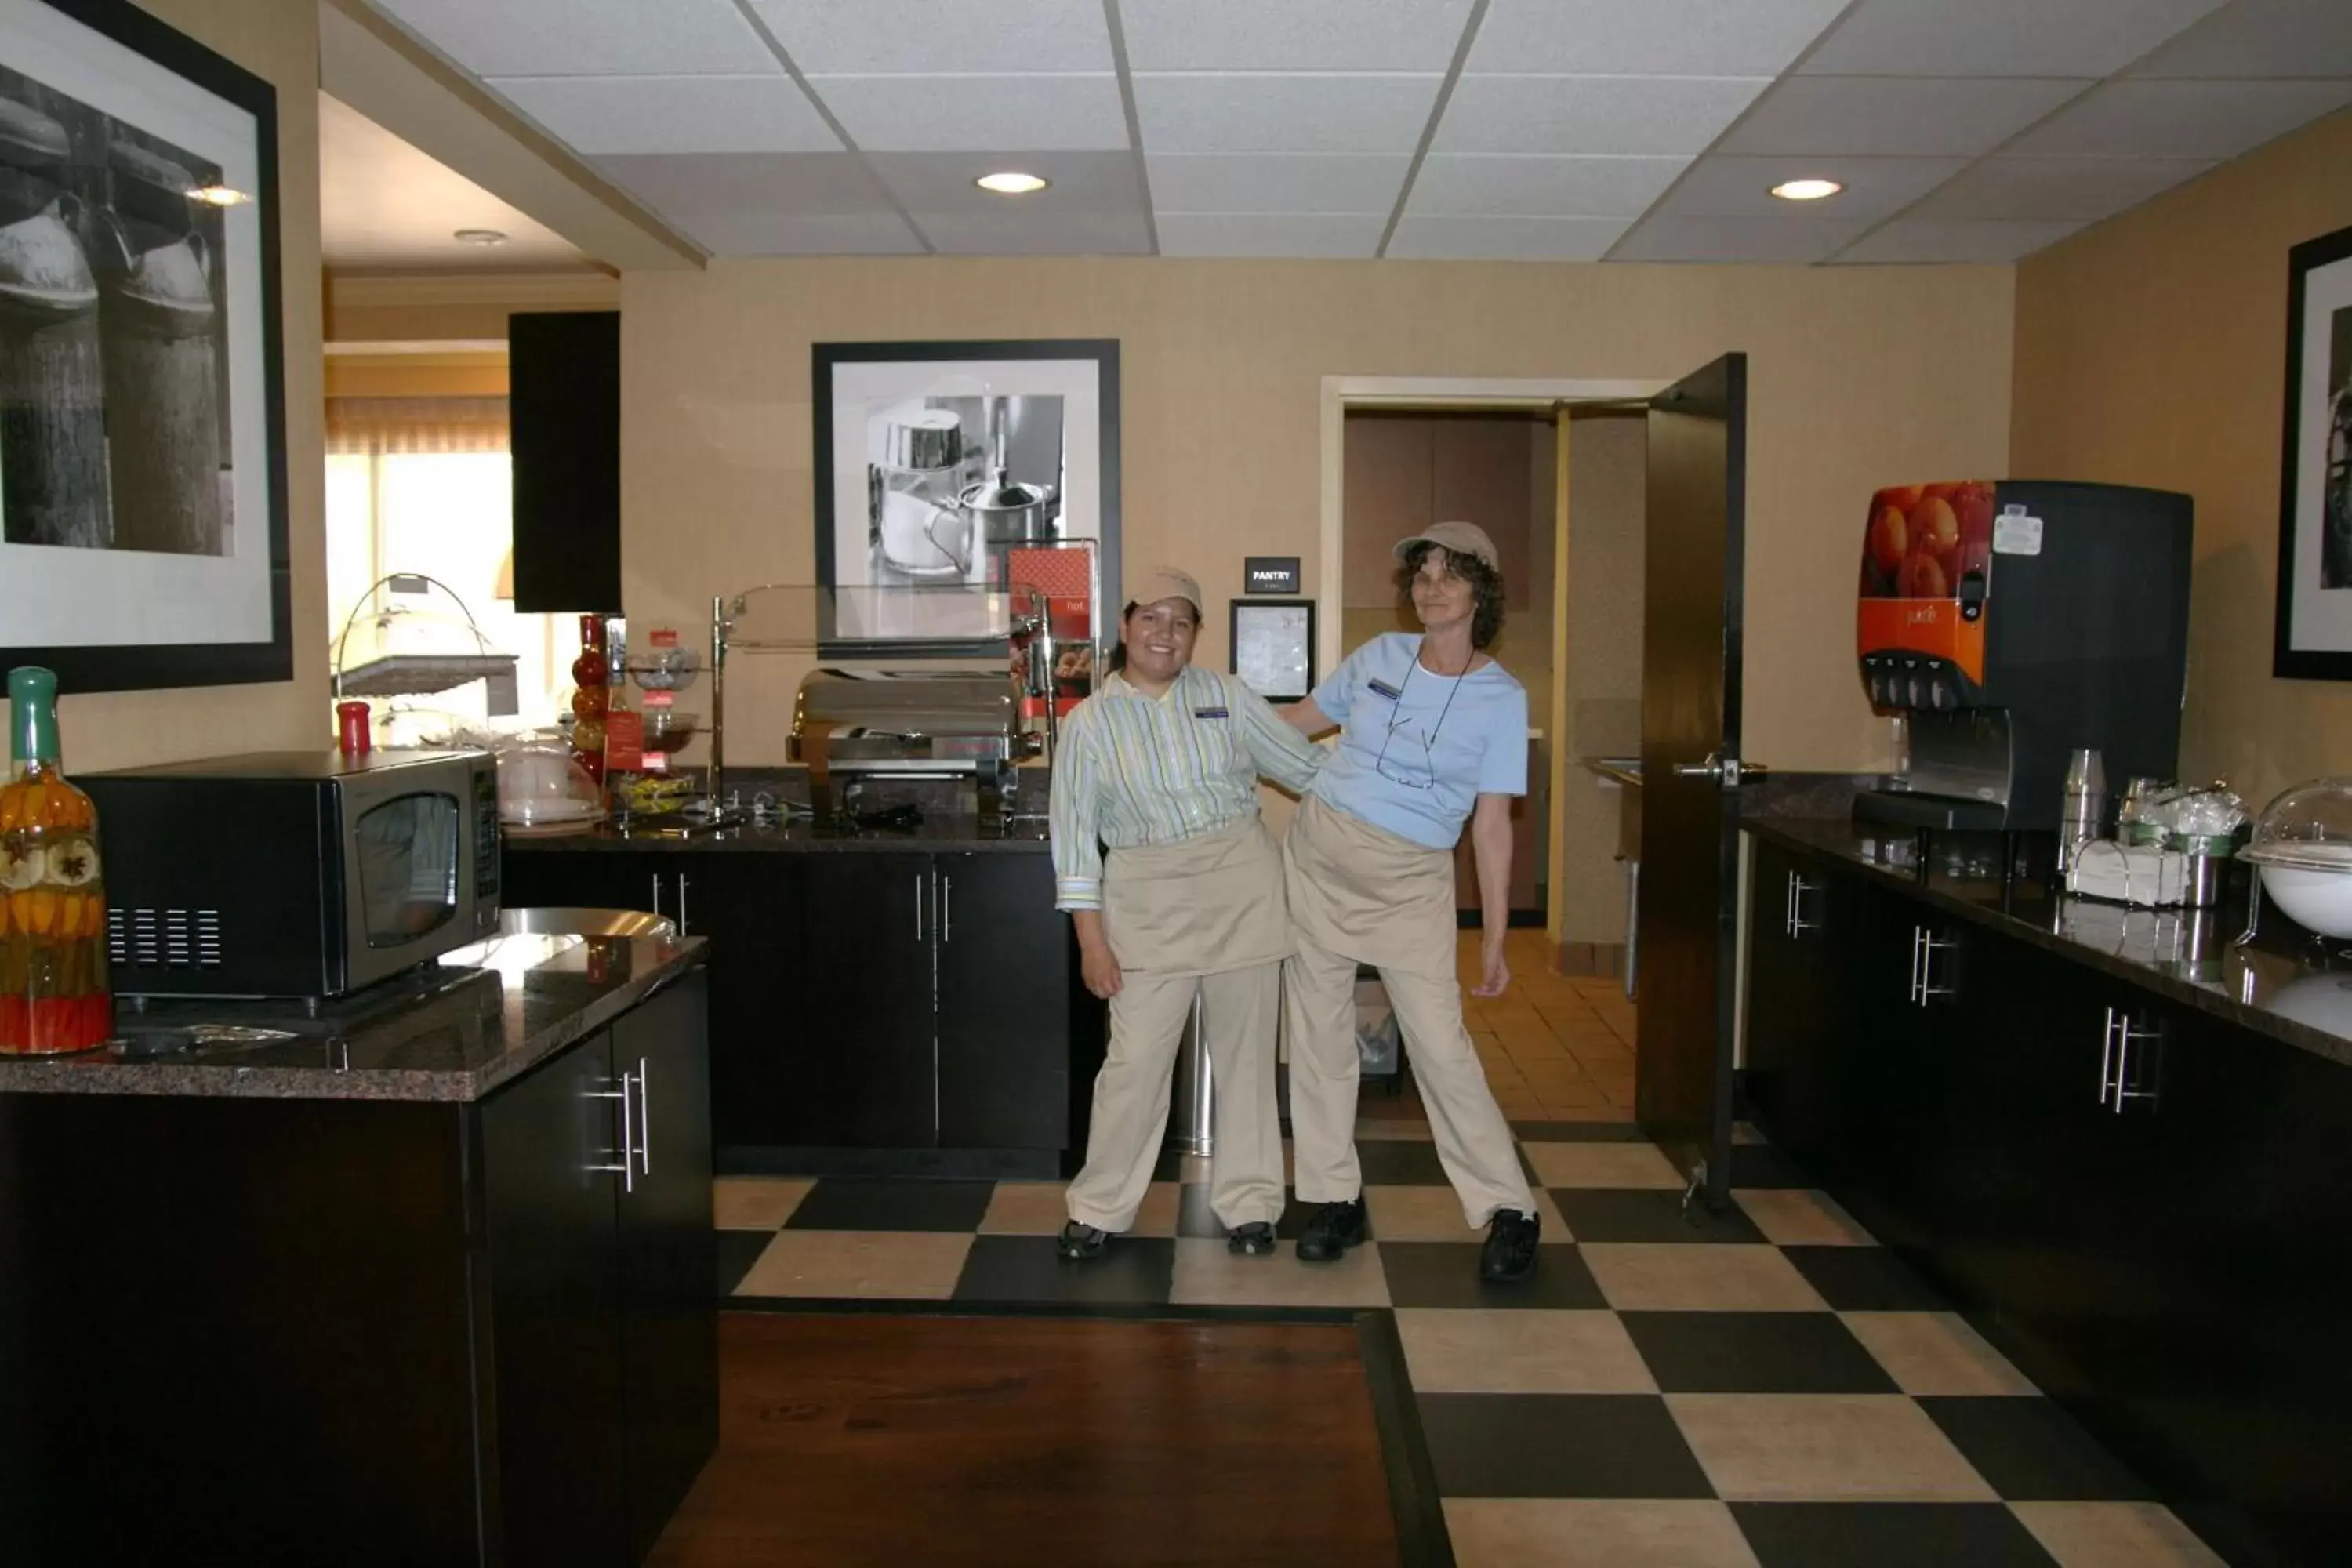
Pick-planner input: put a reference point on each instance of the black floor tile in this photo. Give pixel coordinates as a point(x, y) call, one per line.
point(738, 1250)
point(1763, 1166)
point(1132, 1269)
point(879, 1203)
point(1446, 1274)
point(1559, 1446)
point(2030, 1450)
point(1876, 1534)
point(1863, 1279)
point(1401, 1163)
point(1196, 1219)
point(1579, 1131)
point(1754, 1353)
point(1619, 1214)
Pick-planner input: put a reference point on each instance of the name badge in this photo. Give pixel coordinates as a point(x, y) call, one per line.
point(1211, 713)
point(1385, 689)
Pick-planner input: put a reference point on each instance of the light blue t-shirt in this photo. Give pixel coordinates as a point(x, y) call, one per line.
point(1408, 762)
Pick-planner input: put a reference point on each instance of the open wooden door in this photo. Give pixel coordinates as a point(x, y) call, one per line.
point(1690, 768)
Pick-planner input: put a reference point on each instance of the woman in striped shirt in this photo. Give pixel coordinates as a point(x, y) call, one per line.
point(1162, 766)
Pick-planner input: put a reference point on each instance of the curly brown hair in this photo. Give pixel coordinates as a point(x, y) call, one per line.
point(1486, 587)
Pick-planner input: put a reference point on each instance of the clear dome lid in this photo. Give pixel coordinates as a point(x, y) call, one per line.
point(541, 786)
point(2309, 826)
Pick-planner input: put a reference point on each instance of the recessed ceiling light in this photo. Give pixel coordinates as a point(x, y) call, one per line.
point(479, 236)
point(218, 195)
point(1011, 184)
point(1806, 190)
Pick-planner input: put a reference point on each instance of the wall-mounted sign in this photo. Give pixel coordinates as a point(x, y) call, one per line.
point(1270, 573)
point(1274, 647)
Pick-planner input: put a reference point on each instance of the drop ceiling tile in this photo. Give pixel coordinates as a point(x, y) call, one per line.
point(1726, 185)
point(1282, 113)
point(1999, 37)
point(2152, 119)
point(1292, 35)
point(923, 37)
point(1266, 234)
point(2261, 38)
point(1919, 239)
point(1017, 234)
point(804, 234)
point(1504, 239)
point(1540, 186)
point(1591, 114)
point(688, 189)
point(1226, 183)
point(589, 37)
point(944, 114)
point(672, 113)
point(1663, 237)
point(2084, 189)
point(1896, 116)
point(1646, 37)
point(941, 183)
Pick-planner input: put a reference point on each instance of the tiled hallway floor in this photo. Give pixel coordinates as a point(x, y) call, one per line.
point(1764, 1387)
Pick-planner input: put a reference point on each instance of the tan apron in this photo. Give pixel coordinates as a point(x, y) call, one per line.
point(1363, 892)
point(1202, 906)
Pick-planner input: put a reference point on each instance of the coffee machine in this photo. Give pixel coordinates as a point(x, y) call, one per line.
point(2014, 621)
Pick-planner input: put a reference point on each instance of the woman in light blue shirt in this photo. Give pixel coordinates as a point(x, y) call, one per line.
point(1432, 736)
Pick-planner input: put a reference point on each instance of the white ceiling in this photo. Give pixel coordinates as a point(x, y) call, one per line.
point(1584, 129)
point(383, 203)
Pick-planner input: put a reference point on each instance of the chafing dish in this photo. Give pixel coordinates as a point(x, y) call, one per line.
point(913, 723)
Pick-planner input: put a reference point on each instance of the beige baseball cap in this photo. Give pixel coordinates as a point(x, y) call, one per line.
point(1456, 537)
point(1166, 582)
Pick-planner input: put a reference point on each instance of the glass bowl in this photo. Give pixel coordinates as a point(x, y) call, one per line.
point(542, 787)
point(2302, 842)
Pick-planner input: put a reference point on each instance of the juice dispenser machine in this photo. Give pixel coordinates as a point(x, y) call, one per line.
point(2014, 621)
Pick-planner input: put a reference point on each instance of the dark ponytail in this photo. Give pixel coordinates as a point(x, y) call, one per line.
point(1118, 648)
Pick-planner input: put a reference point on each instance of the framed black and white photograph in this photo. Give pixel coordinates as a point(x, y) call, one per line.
point(2313, 637)
point(1274, 647)
point(143, 506)
point(941, 466)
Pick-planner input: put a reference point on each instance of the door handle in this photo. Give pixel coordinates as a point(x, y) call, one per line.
point(1710, 769)
point(627, 1167)
point(1728, 772)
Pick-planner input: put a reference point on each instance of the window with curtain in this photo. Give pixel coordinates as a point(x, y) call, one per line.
point(424, 485)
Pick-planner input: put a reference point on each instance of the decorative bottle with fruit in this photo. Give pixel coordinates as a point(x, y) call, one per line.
point(591, 697)
point(53, 988)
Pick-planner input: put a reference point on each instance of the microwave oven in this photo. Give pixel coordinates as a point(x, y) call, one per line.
point(300, 875)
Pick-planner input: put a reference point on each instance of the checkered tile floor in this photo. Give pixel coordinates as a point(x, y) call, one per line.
point(1765, 1388)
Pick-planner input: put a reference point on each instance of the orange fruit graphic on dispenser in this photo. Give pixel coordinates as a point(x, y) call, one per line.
point(1926, 548)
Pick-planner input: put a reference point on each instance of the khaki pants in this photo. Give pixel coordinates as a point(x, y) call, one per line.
point(1360, 894)
point(1238, 1009)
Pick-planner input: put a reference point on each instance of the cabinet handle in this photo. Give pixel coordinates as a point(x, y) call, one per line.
point(683, 928)
point(627, 1167)
point(1797, 925)
point(657, 893)
point(919, 906)
point(1925, 946)
point(2117, 1050)
point(947, 909)
point(644, 1120)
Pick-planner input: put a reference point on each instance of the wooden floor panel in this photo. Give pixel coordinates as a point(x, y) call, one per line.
point(911, 1441)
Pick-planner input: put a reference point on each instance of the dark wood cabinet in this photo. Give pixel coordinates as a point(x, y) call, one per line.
point(1004, 974)
point(563, 399)
point(868, 1075)
point(752, 909)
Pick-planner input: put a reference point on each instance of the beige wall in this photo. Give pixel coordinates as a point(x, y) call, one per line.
point(454, 308)
point(278, 41)
point(2152, 350)
point(1860, 376)
point(1607, 479)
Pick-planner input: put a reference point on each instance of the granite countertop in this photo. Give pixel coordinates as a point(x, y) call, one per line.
point(964, 833)
point(2281, 983)
point(451, 1031)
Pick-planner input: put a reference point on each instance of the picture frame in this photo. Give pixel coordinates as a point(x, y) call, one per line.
point(2313, 628)
point(143, 532)
point(937, 466)
point(1273, 647)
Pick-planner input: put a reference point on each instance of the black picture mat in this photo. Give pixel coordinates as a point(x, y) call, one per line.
point(157, 666)
point(1104, 352)
point(1234, 639)
point(2288, 662)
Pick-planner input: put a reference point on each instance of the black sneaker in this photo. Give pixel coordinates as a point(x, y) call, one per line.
point(1509, 1254)
point(1253, 1240)
point(1081, 1243)
point(1332, 1229)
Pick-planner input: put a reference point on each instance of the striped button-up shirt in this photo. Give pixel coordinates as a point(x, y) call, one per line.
point(1136, 771)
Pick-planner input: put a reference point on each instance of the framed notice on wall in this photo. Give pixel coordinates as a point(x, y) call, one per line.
point(2312, 640)
point(1274, 647)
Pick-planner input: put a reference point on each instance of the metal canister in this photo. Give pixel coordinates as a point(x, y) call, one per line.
point(160, 332)
point(52, 475)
